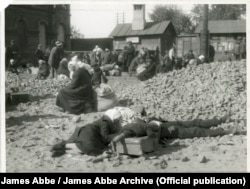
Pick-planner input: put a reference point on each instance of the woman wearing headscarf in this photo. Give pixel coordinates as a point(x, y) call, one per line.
point(77, 97)
point(93, 138)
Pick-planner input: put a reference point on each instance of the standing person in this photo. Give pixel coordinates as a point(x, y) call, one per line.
point(77, 97)
point(211, 53)
point(98, 77)
point(12, 53)
point(97, 55)
point(93, 138)
point(243, 49)
point(167, 63)
point(55, 57)
point(237, 50)
point(39, 53)
point(172, 54)
point(47, 53)
point(130, 54)
point(106, 58)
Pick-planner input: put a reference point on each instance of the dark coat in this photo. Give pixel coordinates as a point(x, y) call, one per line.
point(77, 97)
point(148, 73)
point(93, 138)
point(106, 58)
point(55, 57)
point(98, 77)
point(39, 54)
point(130, 55)
point(140, 129)
point(135, 62)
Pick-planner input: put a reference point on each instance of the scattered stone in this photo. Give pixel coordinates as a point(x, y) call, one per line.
point(163, 164)
point(185, 159)
point(204, 159)
point(76, 119)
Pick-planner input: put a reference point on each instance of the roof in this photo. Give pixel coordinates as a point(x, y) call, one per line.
point(224, 26)
point(151, 28)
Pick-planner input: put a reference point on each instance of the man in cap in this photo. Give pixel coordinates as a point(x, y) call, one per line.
point(56, 55)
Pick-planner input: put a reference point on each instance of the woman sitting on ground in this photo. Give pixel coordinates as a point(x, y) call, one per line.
point(78, 96)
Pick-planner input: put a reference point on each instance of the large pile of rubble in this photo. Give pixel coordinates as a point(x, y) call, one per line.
point(34, 87)
point(203, 92)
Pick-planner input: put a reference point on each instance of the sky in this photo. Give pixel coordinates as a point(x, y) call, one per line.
point(98, 20)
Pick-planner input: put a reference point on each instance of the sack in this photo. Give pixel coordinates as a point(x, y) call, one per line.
point(106, 98)
point(141, 68)
point(104, 90)
point(107, 102)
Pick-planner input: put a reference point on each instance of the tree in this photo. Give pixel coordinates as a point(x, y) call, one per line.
point(219, 12)
point(182, 22)
point(75, 33)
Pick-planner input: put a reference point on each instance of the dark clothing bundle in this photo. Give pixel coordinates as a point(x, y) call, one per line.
point(77, 97)
point(93, 138)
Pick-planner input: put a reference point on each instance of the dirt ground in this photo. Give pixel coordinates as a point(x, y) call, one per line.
point(33, 127)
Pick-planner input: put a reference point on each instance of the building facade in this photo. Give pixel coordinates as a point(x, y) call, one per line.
point(30, 25)
point(224, 35)
point(150, 35)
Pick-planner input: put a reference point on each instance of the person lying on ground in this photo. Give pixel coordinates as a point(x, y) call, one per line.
point(93, 138)
point(172, 129)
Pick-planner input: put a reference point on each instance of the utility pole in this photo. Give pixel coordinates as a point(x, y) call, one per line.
point(205, 34)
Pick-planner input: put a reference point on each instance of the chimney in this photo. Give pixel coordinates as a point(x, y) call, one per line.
point(139, 21)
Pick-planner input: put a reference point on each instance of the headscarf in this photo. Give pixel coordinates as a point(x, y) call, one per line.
point(74, 64)
point(113, 114)
point(81, 64)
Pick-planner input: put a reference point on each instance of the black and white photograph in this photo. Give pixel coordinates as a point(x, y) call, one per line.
point(124, 86)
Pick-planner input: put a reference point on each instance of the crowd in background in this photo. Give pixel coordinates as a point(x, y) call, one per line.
point(143, 63)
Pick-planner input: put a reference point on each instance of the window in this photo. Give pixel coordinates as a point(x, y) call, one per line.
point(138, 7)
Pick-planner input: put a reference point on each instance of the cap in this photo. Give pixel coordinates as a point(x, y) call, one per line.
point(58, 43)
